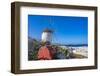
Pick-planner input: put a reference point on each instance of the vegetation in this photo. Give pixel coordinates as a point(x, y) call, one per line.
point(78, 56)
point(33, 51)
point(35, 45)
point(63, 50)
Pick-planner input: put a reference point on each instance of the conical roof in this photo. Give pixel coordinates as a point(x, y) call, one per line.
point(48, 30)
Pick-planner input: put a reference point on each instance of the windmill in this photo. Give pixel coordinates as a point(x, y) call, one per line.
point(48, 33)
point(46, 52)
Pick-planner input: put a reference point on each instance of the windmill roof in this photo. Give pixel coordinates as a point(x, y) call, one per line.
point(48, 30)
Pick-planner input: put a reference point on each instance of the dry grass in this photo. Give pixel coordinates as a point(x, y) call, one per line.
point(78, 56)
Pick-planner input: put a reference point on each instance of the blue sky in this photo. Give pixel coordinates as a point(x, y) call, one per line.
point(67, 29)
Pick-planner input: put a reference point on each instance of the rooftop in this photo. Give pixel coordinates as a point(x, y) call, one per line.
point(48, 30)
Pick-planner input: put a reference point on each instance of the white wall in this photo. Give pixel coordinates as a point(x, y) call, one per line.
point(5, 33)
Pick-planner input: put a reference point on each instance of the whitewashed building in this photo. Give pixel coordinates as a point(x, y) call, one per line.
point(47, 35)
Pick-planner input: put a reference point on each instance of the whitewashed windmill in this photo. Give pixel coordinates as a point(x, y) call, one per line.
point(47, 35)
point(48, 32)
